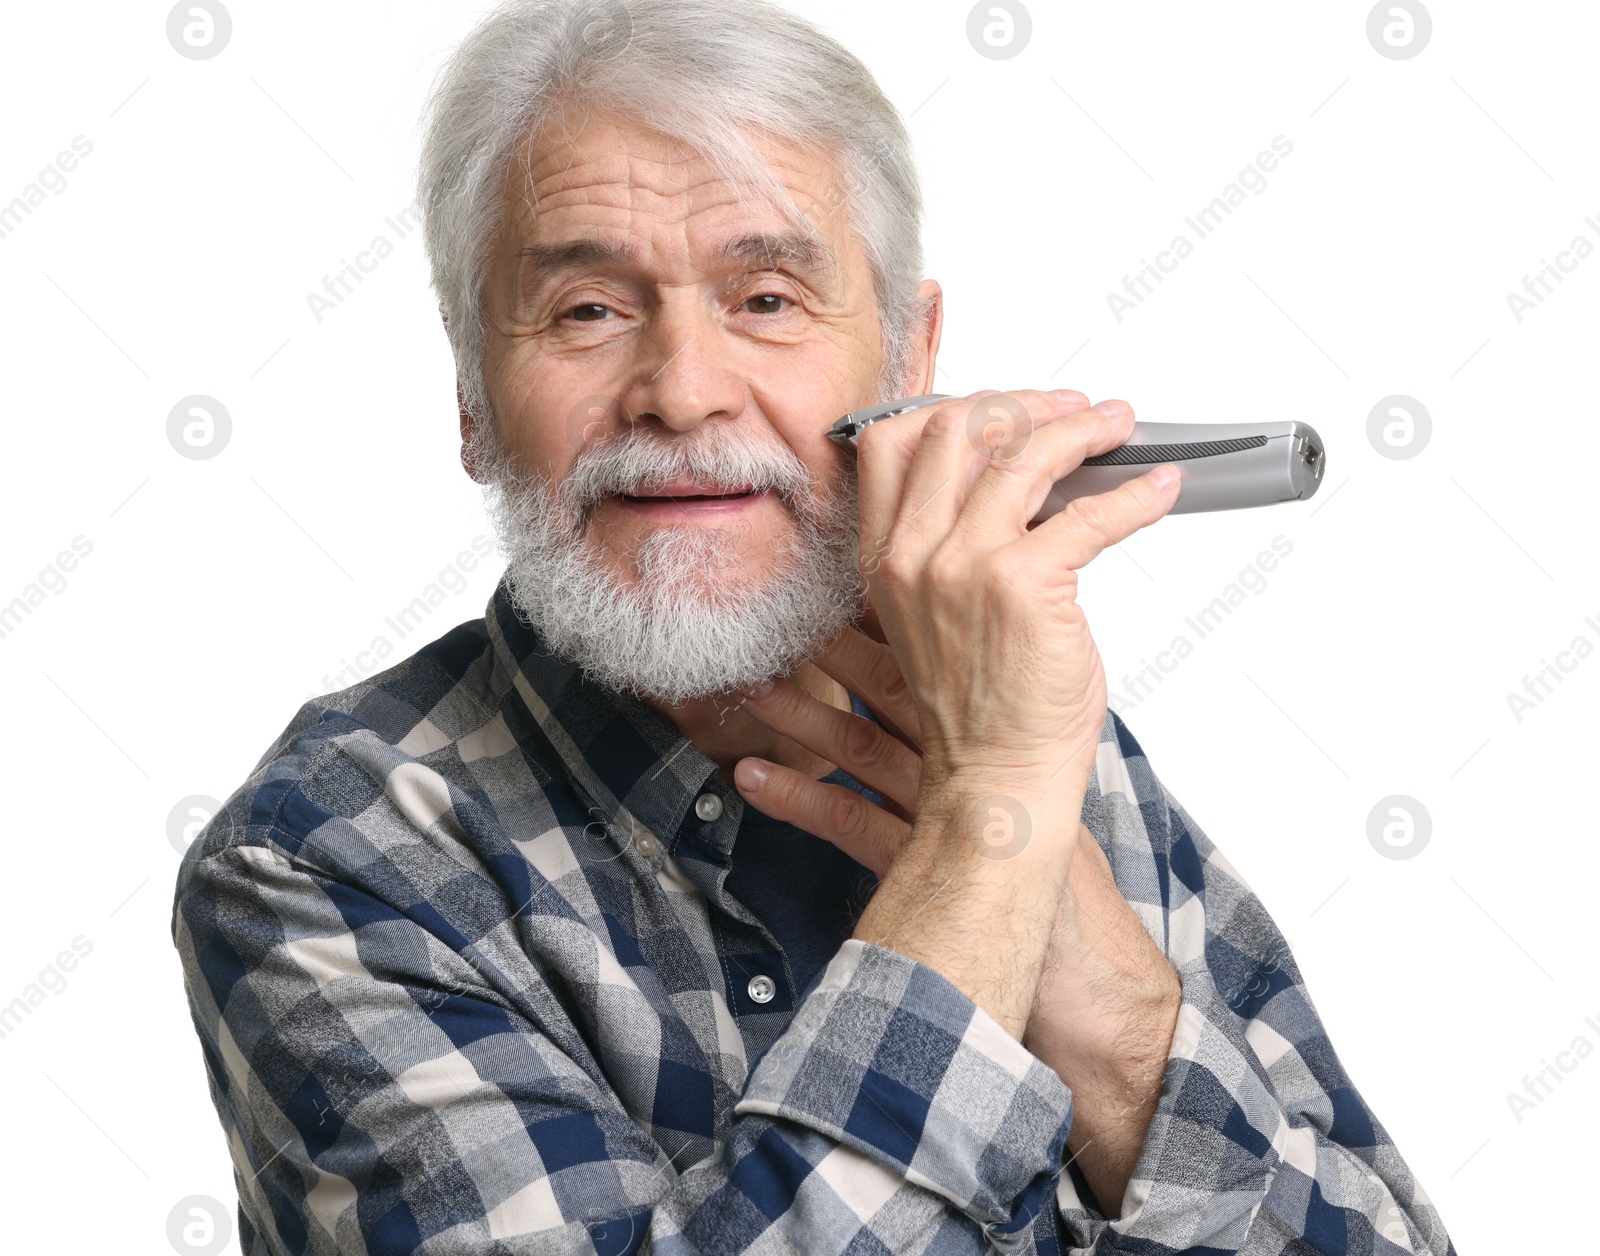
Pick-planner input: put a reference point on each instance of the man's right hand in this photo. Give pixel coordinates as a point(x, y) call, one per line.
point(981, 613)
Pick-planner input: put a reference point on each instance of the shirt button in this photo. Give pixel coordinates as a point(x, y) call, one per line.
point(646, 845)
point(761, 989)
point(708, 807)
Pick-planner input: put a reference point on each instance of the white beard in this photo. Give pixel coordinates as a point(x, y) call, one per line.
point(683, 629)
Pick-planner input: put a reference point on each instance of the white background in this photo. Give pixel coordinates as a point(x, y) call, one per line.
point(1419, 592)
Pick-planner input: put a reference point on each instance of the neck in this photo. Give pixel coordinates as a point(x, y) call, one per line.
point(723, 731)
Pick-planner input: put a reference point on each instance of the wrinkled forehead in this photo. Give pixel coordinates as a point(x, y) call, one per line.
point(602, 174)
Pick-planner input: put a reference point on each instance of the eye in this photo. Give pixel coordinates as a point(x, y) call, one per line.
point(590, 313)
point(766, 303)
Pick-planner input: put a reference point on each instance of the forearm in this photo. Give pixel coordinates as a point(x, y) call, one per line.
point(1114, 1095)
point(1104, 1019)
point(976, 890)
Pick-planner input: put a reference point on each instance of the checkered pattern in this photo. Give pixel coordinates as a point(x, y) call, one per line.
point(466, 981)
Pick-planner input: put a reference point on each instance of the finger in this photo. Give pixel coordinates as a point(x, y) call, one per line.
point(937, 474)
point(957, 443)
point(1089, 525)
point(885, 453)
point(857, 745)
point(871, 672)
point(883, 456)
point(1014, 484)
point(868, 834)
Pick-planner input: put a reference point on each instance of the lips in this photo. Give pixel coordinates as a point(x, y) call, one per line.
point(685, 490)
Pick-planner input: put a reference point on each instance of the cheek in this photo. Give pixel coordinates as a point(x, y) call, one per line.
point(805, 405)
point(830, 467)
point(547, 414)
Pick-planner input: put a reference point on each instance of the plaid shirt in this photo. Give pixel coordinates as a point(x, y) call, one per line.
point(467, 980)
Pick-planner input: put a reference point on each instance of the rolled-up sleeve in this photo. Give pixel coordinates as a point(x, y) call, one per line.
point(1260, 1142)
point(379, 1094)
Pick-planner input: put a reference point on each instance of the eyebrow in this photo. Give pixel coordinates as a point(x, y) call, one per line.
point(768, 252)
point(538, 264)
point(587, 252)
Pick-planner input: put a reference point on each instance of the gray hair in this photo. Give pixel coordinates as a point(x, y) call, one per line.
point(704, 72)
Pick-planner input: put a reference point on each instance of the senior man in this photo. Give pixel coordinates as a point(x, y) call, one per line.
point(764, 872)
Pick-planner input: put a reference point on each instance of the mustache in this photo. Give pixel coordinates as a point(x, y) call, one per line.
point(637, 458)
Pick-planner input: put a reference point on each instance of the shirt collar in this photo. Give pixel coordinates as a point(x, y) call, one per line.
point(624, 757)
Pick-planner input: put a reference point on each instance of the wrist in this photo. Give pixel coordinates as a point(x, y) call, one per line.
point(1054, 787)
point(994, 828)
point(1042, 773)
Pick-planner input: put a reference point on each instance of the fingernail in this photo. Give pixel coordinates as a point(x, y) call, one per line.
point(1112, 408)
point(1163, 475)
point(1070, 395)
point(751, 774)
point(758, 690)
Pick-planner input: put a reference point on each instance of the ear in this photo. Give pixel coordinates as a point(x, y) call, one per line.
point(467, 464)
point(925, 344)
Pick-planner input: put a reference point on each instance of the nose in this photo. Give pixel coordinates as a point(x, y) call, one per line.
point(685, 377)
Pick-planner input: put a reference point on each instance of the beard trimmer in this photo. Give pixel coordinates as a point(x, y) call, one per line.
point(1222, 466)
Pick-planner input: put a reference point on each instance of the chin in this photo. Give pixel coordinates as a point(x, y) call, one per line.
point(708, 582)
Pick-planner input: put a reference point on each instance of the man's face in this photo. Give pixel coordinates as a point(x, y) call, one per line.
point(656, 346)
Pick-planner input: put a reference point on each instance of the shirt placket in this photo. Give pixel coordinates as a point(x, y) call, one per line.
point(758, 984)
